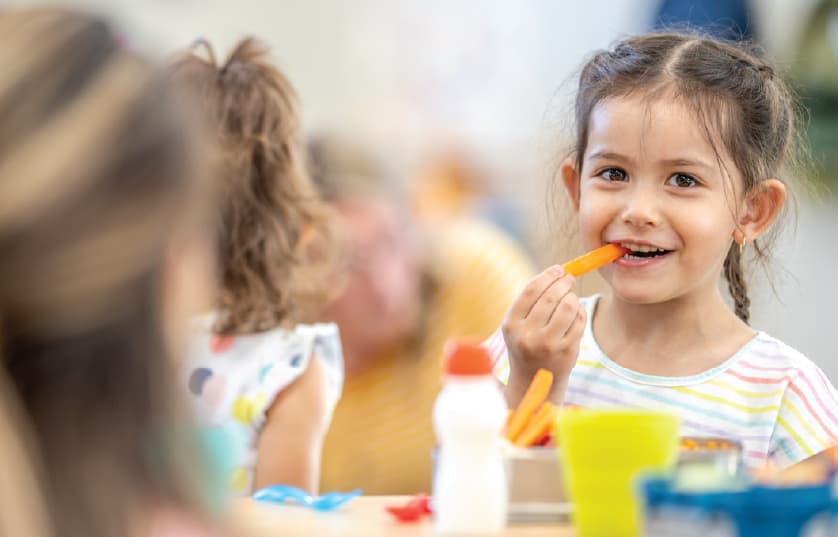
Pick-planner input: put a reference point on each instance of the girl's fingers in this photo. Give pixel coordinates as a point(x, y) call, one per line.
point(525, 302)
point(564, 315)
point(564, 332)
point(550, 302)
point(577, 329)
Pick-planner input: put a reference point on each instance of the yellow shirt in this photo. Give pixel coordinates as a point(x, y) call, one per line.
point(381, 435)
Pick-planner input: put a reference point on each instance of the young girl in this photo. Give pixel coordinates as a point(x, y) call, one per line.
point(101, 233)
point(681, 151)
point(253, 366)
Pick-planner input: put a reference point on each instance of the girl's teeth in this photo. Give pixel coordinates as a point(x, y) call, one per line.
point(641, 248)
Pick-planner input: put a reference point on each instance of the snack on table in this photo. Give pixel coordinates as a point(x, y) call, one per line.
point(533, 405)
point(539, 426)
point(417, 507)
point(709, 463)
point(692, 443)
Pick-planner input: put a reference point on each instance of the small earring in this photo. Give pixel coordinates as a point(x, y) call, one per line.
point(742, 247)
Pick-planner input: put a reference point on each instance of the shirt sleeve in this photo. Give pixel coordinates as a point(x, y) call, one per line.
point(496, 346)
point(807, 422)
point(327, 348)
point(282, 362)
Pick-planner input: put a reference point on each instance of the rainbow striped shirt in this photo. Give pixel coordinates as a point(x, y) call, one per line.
point(768, 396)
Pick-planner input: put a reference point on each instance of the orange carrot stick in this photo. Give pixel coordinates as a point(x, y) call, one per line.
point(536, 394)
point(594, 260)
point(536, 416)
point(538, 426)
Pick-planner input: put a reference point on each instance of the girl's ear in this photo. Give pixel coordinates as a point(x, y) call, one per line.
point(759, 209)
point(570, 177)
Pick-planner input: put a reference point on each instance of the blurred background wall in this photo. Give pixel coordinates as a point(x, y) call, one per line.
point(491, 79)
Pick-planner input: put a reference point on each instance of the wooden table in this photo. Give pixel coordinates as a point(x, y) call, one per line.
point(362, 517)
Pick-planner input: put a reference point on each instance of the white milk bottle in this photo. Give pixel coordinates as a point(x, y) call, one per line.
point(470, 490)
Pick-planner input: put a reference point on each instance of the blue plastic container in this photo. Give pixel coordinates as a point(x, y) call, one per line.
point(756, 511)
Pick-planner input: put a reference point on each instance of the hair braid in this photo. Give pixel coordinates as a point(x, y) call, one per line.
point(736, 283)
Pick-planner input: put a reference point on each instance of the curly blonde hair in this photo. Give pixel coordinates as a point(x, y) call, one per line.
point(273, 227)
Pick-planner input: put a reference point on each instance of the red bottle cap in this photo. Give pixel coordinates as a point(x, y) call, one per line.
point(466, 357)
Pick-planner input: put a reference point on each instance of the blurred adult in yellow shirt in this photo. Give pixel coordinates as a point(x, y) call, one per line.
point(404, 289)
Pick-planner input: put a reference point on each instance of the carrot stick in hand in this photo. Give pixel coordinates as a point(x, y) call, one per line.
point(594, 260)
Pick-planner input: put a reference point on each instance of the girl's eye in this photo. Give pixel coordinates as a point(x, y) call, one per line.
point(613, 174)
point(682, 181)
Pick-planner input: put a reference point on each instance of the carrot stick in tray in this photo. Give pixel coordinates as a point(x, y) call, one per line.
point(539, 426)
point(533, 398)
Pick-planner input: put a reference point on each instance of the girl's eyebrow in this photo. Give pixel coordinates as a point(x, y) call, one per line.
point(673, 162)
point(609, 155)
point(676, 162)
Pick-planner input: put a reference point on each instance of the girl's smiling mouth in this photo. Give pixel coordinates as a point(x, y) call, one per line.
point(641, 254)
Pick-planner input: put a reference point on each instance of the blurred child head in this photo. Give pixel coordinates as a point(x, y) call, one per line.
point(380, 282)
point(272, 224)
point(22, 507)
point(100, 209)
point(728, 97)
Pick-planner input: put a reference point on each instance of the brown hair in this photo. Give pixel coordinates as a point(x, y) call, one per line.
point(22, 507)
point(733, 91)
point(97, 175)
point(269, 209)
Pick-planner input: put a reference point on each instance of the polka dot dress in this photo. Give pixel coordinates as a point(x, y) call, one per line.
point(232, 381)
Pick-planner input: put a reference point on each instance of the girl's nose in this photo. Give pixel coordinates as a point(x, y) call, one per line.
point(641, 208)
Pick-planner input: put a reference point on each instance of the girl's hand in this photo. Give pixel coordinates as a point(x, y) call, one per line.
point(543, 329)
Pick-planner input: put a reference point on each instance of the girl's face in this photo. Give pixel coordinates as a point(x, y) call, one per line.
point(651, 182)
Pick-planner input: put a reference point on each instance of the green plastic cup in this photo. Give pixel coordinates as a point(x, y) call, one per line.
point(602, 454)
